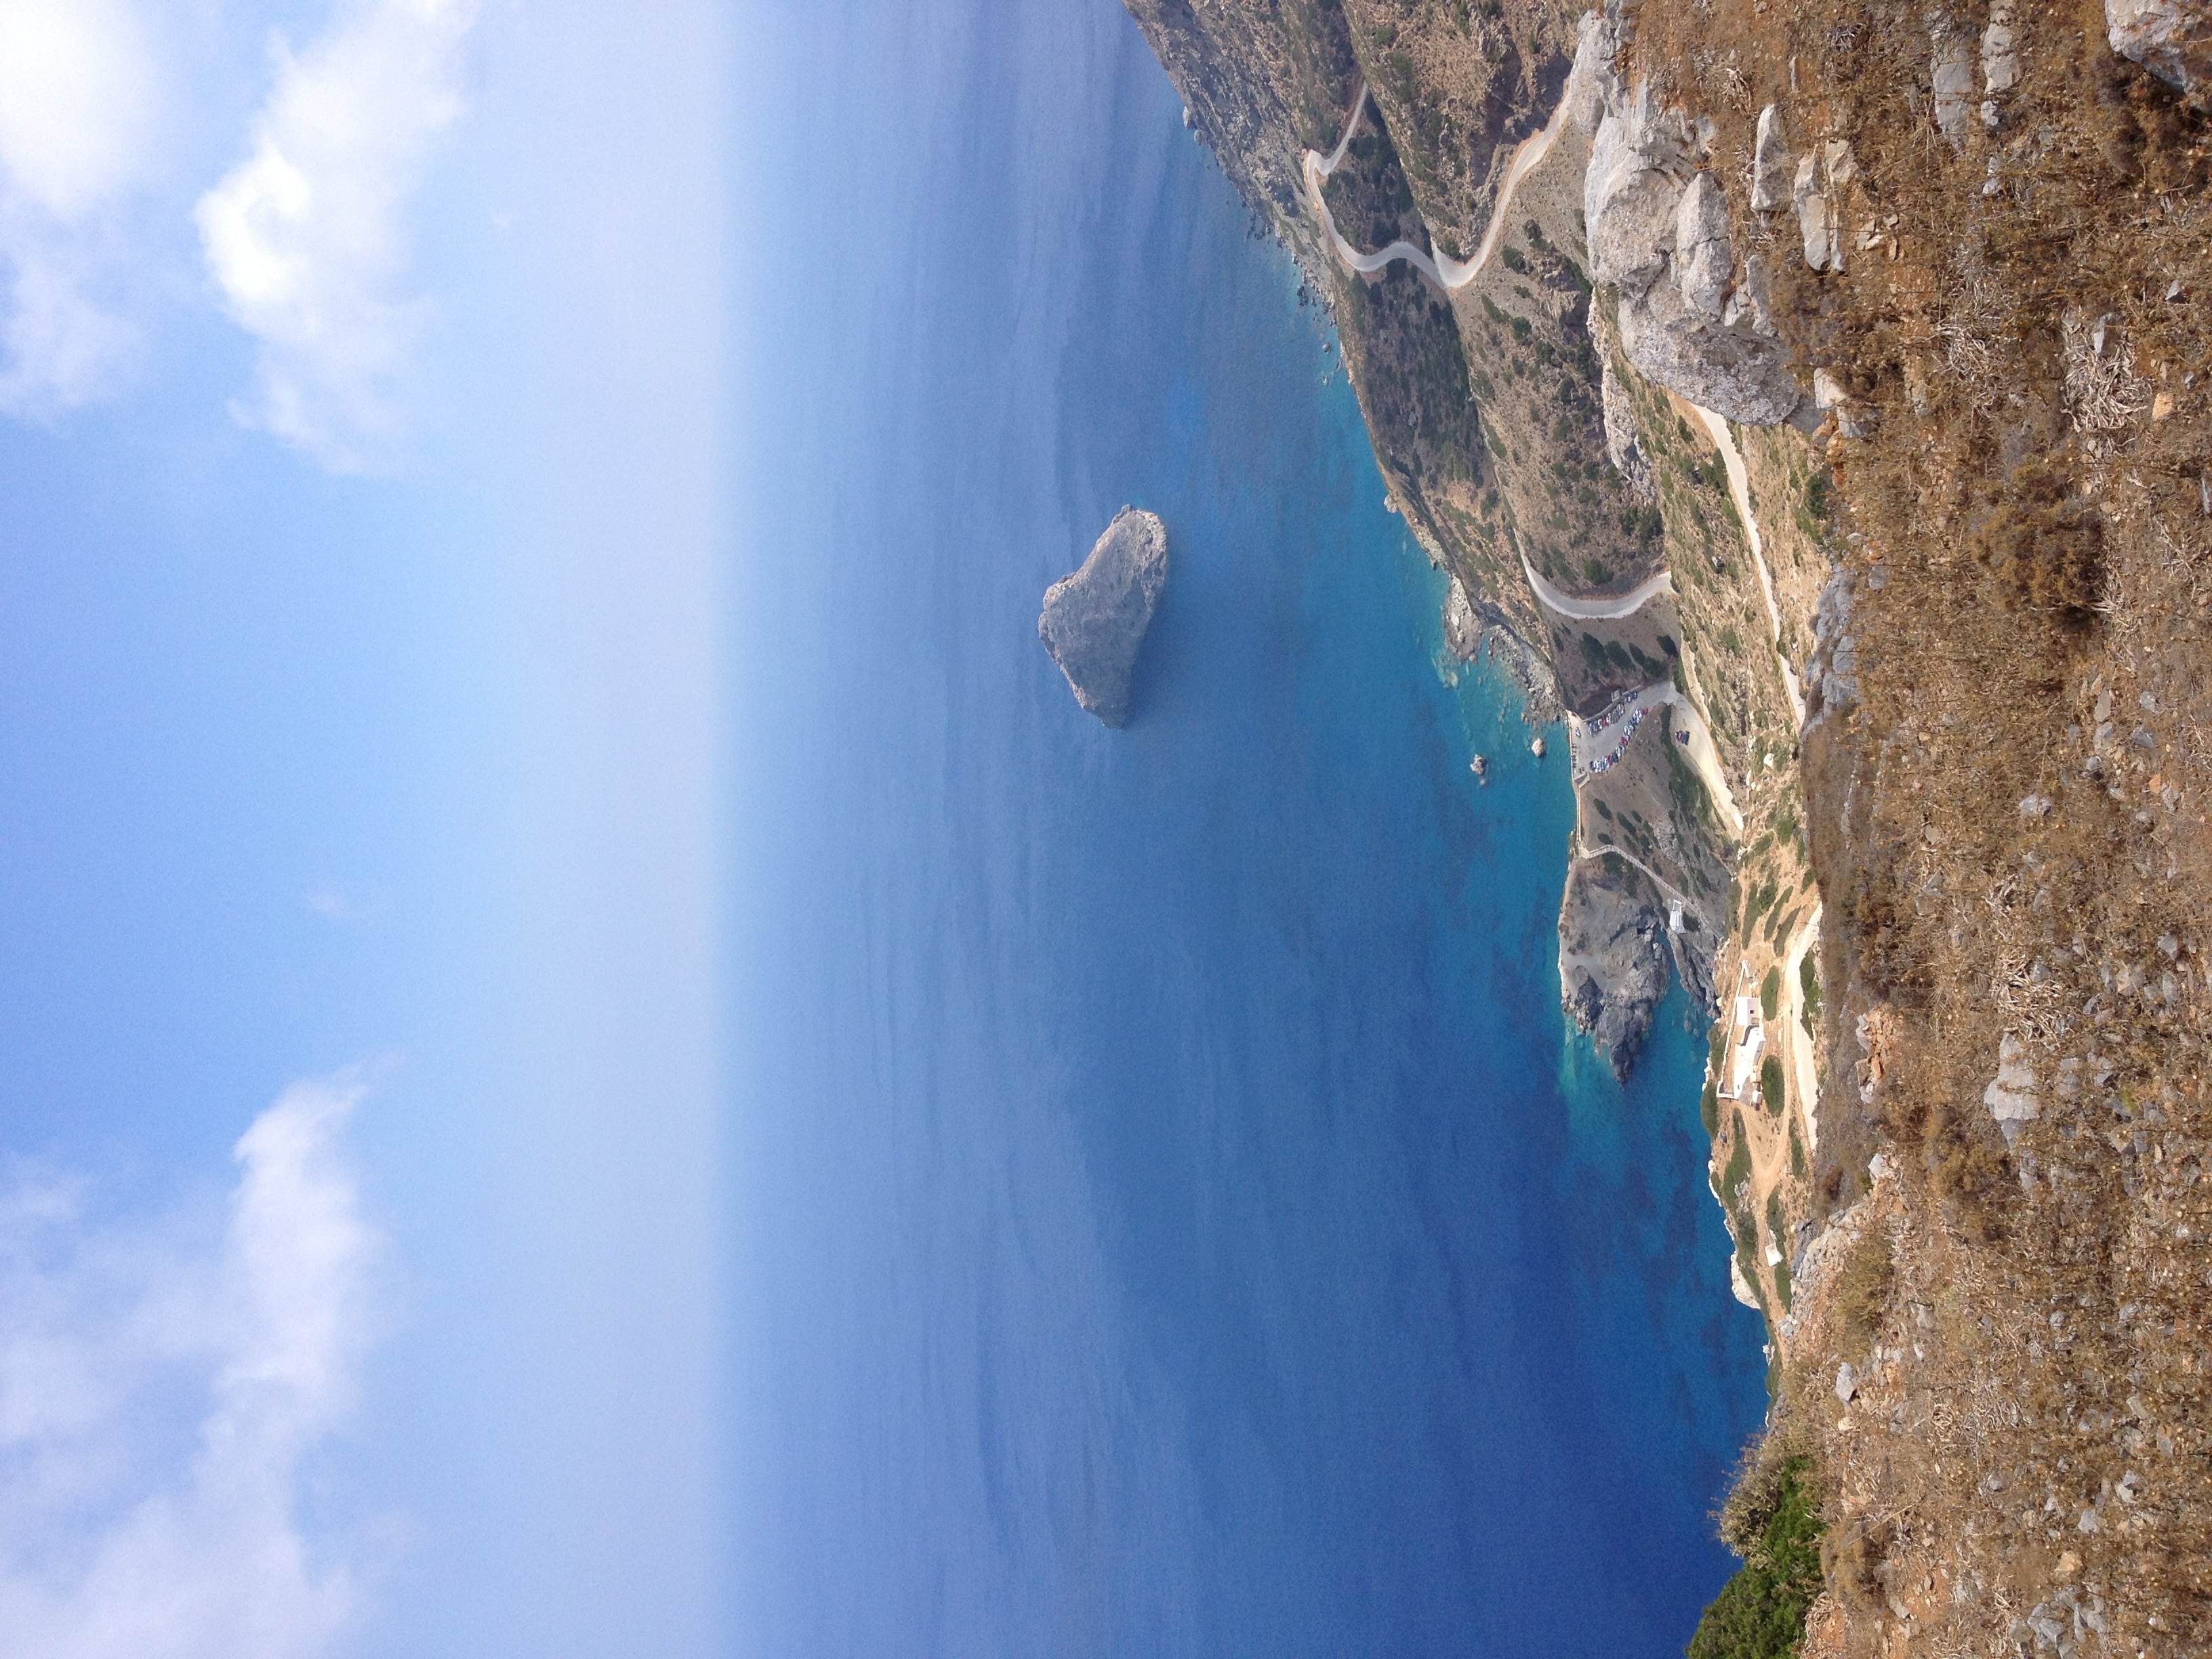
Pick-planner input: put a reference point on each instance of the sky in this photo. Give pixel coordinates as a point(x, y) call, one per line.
point(363, 378)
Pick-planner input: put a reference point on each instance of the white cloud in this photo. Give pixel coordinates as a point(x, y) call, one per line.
point(306, 237)
point(163, 1393)
point(79, 100)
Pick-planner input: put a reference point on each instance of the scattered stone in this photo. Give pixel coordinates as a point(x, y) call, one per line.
point(1847, 1381)
point(2035, 806)
point(2011, 1098)
point(1095, 619)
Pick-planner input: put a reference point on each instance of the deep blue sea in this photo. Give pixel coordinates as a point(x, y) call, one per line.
point(1174, 1216)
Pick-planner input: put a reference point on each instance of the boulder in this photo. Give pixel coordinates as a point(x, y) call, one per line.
point(1095, 619)
point(1732, 371)
point(2171, 38)
point(1847, 1381)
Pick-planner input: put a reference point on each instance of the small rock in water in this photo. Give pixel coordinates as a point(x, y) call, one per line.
point(1536, 748)
point(1095, 619)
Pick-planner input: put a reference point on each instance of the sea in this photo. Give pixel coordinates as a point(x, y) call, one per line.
point(1171, 1213)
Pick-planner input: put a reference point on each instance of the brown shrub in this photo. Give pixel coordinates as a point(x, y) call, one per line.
point(1863, 1290)
point(2046, 552)
point(1851, 1560)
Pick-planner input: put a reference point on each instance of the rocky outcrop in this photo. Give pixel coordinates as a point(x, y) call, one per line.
point(1095, 619)
point(1621, 445)
point(1613, 959)
point(1658, 230)
point(2171, 38)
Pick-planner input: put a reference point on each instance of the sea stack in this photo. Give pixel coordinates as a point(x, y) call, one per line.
point(1095, 620)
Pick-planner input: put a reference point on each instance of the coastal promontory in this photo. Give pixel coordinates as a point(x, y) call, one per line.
point(1095, 618)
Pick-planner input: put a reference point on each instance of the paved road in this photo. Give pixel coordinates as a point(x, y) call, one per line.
point(1442, 269)
point(1599, 609)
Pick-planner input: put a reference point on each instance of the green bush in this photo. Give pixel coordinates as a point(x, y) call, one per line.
point(1770, 991)
point(1708, 1108)
point(1739, 1164)
point(1769, 1084)
point(1760, 1613)
point(1796, 1151)
point(1808, 980)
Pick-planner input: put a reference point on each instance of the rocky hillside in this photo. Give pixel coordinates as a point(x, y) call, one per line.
point(1813, 412)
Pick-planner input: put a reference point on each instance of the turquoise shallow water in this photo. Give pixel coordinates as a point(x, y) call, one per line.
point(1174, 1217)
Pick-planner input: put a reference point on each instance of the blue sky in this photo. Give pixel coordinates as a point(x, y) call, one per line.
point(365, 368)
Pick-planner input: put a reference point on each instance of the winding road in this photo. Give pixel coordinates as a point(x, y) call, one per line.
point(1599, 609)
point(1443, 270)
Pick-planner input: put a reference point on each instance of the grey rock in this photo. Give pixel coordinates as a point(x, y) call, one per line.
point(1703, 258)
point(1595, 85)
point(2171, 38)
point(1816, 218)
point(1769, 164)
point(1847, 1381)
point(1095, 619)
point(1631, 192)
point(1733, 371)
point(1952, 71)
point(1999, 54)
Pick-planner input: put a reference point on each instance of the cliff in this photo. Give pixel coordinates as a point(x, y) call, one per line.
point(1814, 417)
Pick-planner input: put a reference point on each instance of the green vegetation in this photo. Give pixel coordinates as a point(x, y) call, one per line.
point(1796, 1151)
point(1708, 1108)
point(1760, 1613)
point(1808, 980)
point(1769, 1084)
point(1739, 1164)
point(1770, 991)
